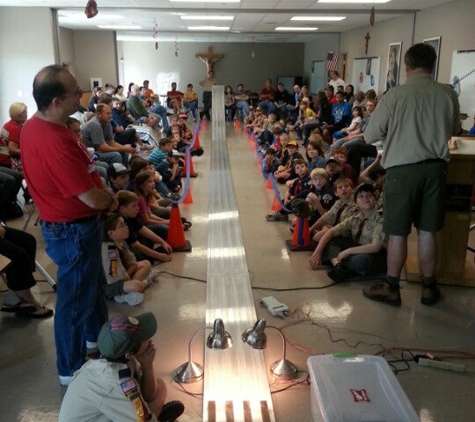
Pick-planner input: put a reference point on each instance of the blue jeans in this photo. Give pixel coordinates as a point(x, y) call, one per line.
point(81, 307)
point(244, 107)
point(192, 105)
point(267, 106)
point(162, 112)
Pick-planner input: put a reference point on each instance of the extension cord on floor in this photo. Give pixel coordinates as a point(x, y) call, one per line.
point(448, 366)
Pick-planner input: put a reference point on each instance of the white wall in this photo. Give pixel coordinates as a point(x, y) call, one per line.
point(451, 21)
point(161, 67)
point(25, 47)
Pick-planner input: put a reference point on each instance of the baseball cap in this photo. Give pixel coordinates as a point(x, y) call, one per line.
point(332, 159)
point(294, 143)
point(183, 116)
point(116, 169)
point(122, 334)
point(175, 153)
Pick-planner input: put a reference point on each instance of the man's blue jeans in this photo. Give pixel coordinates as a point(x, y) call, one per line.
point(162, 112)
point(81, 307)
point(192, 105)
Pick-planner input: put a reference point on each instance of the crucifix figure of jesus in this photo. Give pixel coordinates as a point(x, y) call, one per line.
point(367, 38)
point(209, 58)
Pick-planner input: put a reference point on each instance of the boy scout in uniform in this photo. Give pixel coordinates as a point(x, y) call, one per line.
point(110, 389)
point(356, 245)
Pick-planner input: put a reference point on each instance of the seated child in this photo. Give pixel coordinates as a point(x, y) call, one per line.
point(322, 197)
point(341, 155)
point(118, 176)
point(159, 154)
point(333, 169)
point(342, 208)
point(270, 163)
point(357, 114)
point(300, 188)
point(145, 186)
point(126, 278)
point(171, 171)
point(141, 240)
point(376, 175)
point(315, 152)
point(286, 170)
point(356, 245)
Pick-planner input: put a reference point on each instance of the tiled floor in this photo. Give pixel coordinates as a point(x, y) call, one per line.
point(324, 320)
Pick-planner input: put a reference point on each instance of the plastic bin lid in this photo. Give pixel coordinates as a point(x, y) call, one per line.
point(358, 388)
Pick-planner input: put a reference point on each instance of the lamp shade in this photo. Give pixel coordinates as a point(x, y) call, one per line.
point(219, 338)
point(256, 336)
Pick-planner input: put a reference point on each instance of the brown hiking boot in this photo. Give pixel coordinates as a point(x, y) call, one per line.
point(383, 292)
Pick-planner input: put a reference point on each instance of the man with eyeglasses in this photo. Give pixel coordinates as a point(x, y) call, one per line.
point(70, 196)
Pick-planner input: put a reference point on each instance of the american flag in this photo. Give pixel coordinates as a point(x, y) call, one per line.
point(331, 61)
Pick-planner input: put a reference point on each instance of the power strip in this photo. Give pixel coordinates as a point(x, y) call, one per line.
point(275, 307)
point(448, 366)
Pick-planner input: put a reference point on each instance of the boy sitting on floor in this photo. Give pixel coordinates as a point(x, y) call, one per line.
point(356, 245)
point(341, 209)
point(322, 197)
point(126, 278)
point(299, 188)
point(143, 248)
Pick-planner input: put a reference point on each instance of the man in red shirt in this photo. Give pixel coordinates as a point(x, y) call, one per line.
point(266, 98)
point(68, 192)
point(174, 98)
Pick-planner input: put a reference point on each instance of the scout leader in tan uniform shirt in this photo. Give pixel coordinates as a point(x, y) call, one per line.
point(356, 245)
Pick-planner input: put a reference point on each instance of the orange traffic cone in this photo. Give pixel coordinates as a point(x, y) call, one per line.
point(238, 125)
point(188, 198)
point(276, 204)
point(176, 234)
point(269, 183)
point(301, 237)
point(203, 123)
point(197, 141)
point(192, 169)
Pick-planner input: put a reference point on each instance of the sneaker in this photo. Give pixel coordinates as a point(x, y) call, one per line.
point(382, 292)
point(132, 299)
point(65, 380)
point(277, 216)
point(171, 411)
point(339, 273)
point(430, 294)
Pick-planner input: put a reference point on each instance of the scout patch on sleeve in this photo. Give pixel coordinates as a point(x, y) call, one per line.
point(141, 410)
point(130, 389)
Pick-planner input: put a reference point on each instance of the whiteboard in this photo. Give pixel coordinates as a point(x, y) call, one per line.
point(366, 73)
point(462, 78)
point(317, 77)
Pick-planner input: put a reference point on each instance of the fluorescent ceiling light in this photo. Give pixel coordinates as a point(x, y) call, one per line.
point(291, 28)
point(208, 28)
point(318, 18)
point(207, 18)
point(354, 1)
point(124, 27)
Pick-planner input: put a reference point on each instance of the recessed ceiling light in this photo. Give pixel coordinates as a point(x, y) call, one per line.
point(354, 1)
point(124, 27)
point(208, 28)
point(208, 18)
point(291, 28)
point(318, 18)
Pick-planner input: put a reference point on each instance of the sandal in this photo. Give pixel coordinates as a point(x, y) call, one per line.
point(38, 312)
point(19, 307)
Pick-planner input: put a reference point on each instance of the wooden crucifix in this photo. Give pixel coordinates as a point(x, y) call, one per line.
point(367, 38)
point(209, 58)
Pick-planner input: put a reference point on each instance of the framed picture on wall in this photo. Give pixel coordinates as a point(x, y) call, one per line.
point(393, 67)
point(95, 82)
point(434, 42)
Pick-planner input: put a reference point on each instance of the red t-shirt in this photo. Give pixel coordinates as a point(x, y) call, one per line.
point(175, 95)
point(57, 168)
point(11, 131)
point(267, 94)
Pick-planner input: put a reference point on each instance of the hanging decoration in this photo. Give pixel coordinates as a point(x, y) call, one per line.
point(252, 52)
point(91, 9)
point(371, 17)
point(155, 32)
point(176, 47)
